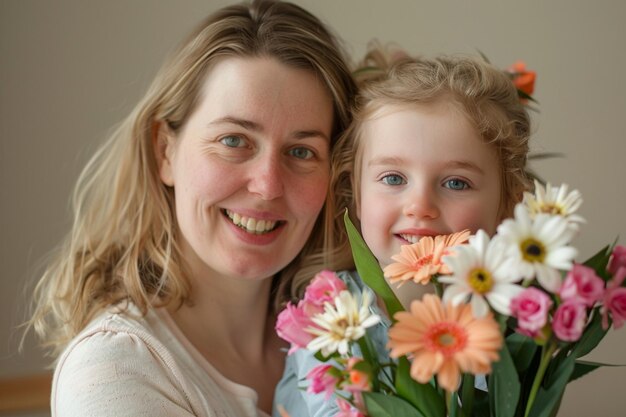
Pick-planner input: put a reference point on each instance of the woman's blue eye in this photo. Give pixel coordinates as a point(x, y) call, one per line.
point(301, 153)
point(456, 184)
point(232, 141)
point(392, 179)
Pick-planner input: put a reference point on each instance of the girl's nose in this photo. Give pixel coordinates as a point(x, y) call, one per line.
point(266, 178)
point(421, 204)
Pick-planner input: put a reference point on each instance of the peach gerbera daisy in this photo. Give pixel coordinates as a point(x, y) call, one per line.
point(444, 340)
point(420, 261)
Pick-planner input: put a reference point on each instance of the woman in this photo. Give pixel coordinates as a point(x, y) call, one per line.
point(192, 220)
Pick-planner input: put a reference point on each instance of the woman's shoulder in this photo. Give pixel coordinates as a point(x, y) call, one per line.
point(118, 356)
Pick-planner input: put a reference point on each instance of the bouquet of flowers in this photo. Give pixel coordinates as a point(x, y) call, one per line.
point(503, 336)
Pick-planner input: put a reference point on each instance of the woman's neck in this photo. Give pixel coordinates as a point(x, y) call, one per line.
point(231, 323)
point(226, 311)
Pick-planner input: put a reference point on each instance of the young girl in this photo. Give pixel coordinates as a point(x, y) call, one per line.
point(436, 146)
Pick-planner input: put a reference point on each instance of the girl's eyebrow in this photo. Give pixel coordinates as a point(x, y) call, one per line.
point(465, 165)
point(257, 127)
point(396, 161)
point(385, 160)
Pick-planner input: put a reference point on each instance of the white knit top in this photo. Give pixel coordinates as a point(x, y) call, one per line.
point(122, 364)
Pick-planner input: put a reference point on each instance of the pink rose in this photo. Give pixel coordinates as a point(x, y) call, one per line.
point(582, 284)
point(322, 380)
point(347, 410)
point(291, 324)
point(614, 301)
point(618, 259)
point(324, 287)
point(569, 320)
point(530, 308)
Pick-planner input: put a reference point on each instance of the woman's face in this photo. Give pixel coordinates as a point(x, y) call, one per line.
point(250, 168)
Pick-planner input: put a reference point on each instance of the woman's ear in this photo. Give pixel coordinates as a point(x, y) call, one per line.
point(163, 146)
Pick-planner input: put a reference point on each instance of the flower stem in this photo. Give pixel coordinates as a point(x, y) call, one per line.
point(548, 350)
point(438, 286)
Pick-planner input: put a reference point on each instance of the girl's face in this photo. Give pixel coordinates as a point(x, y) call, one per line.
point(425, 171)
point(250, 168)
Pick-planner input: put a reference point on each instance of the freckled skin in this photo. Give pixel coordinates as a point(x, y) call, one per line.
point(257, 144)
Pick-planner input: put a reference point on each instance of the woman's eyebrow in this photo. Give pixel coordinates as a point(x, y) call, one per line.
point(246, 124)
point(257, 127)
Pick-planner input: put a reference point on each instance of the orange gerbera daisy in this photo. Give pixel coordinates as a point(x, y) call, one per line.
point(420, 261)
point(444, 340)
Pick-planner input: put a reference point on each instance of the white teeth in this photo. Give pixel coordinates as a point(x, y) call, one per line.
point(410, 238)
point(251, 225)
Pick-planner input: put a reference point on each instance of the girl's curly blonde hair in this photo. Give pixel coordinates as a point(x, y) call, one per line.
point(484, 94)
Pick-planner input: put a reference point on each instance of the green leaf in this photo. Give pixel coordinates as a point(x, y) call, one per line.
point(600, 260)
point(549, 396)
point(381, 405)
point(522, 349)
point(582, 368)
point(369, 270)
point(504, 386)
point(423, 396)
point(467, 395)
point(592, 335)
point(481, 404)
point(537, 156)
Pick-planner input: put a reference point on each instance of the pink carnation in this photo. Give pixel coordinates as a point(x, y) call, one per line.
point(582, 284)
point(291, 324)
point(324, 287)
point(569, 320)
point(322, 380)
point(618, 259)
point(614, 301)
point(530, 308)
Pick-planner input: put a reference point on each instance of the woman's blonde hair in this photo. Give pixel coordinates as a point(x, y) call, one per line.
point(484, 94)
point(122, 245)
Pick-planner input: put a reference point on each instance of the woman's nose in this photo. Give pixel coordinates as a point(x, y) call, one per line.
point(266, 177)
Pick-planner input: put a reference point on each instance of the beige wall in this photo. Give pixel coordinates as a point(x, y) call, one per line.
point(70, 70)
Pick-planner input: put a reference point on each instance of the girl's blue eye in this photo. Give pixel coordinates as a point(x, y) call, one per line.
point(456, 184)
point(393, 179)
point(301, 153)
point(232, 141)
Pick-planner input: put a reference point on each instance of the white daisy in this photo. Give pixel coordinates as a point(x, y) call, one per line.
point(555, 200)
point(341, 323)
point(538, 247)
point(479, 271)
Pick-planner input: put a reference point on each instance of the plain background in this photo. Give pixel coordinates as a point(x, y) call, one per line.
point(71, 69)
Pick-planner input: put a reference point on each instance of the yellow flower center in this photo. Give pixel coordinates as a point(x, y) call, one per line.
point(446, 338)
point(550, 208)
point(480, 280)
point(533, 250)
